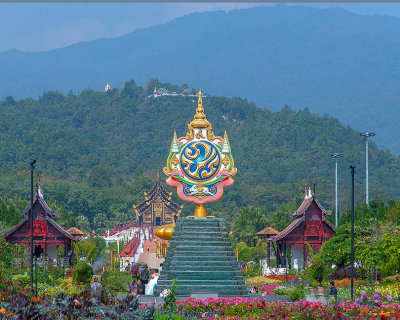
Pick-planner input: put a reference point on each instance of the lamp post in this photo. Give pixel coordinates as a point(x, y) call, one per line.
point(367, 136)
point(336, 156)
point(32, 164)
point(35, 277)
point(352, 232)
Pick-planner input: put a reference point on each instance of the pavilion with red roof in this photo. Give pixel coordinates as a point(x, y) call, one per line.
point(48, 235)
point(310, 225)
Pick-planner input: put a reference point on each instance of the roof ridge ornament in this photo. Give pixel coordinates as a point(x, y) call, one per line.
point(200, 121)
point(308, 194)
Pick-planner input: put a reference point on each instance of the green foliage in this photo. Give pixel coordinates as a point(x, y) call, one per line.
point(98, 152)
point(246, 224)
point(114, 282)
point(25, 279)
point(5, 254)
point(89, 248)
point(318, 270)
point(82, 272)
point(254, 271)
point(295, 293)
point(170, 300)
point(246, 253)
point(48, 274)
point(389, 253)
point(376, 237)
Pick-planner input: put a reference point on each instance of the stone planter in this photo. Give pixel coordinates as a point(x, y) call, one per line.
point(320, 291)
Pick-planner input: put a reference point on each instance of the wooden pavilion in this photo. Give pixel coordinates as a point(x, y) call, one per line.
point(48, 235)
point(267, 233)
point(310, 225)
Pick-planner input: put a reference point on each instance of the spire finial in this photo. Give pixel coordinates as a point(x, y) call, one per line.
point(174, 144)
point(225, 146)
point(200, 120)
point(200, 110)
point(158, 176)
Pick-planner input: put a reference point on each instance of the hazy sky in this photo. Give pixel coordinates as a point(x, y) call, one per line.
point(40, 26)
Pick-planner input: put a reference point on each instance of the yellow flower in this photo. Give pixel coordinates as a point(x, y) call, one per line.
point(2, 310)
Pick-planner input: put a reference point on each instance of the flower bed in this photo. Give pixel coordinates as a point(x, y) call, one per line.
point(242, 308)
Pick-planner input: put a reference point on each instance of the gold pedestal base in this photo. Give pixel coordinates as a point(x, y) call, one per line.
point(200, 211)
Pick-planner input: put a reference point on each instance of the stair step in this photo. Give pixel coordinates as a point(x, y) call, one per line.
point(203, 267)
point(202, 275)
point(201, 257)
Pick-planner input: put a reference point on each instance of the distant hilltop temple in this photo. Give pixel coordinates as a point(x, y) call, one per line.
point(157, 209)
point(107, 87)
point(162, 92)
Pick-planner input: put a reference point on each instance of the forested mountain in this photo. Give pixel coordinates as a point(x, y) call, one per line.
point(331, 60)
point(97, 152)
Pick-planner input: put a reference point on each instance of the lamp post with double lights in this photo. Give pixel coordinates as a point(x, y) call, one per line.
point(352, 233)
point(32, 164)
point(367, 136)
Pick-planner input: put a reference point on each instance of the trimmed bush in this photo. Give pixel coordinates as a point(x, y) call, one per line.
point(82, 272)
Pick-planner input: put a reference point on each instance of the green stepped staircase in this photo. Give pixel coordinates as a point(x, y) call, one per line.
point(201, 258)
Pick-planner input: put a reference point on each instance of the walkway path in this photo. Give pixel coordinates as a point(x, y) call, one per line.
point(149, 256)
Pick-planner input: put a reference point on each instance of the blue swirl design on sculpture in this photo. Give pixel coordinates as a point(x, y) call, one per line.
point(200, 160)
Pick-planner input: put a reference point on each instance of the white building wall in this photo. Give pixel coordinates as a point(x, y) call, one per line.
point(297, 257)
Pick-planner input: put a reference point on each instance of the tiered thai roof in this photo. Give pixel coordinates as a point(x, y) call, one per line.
point(299, 214)
point(158, 189)
point(39, 201)
point(39, 197)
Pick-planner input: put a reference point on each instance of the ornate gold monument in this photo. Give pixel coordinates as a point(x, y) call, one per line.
point(199, 165)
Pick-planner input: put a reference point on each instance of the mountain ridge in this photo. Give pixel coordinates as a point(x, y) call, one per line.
point(329, 60)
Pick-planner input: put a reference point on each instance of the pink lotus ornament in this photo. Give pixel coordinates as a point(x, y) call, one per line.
point(200, 164)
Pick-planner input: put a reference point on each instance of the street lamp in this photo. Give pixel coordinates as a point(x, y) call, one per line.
point(36, 277)
point(352, 232)
point(336, 156)
point(32, 164)
point(367, 136)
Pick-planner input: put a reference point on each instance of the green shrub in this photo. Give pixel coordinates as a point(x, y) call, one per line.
point(82, 272)
point(318, 270)
point(21, 277)
point(115, 282)
point(295, 293)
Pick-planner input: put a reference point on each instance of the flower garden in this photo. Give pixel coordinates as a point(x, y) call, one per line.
point(71, 300)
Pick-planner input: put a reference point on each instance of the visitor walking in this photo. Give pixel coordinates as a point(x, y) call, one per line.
point(150, 287)
point(144, 275)
point(332, 293)
point(140, 287)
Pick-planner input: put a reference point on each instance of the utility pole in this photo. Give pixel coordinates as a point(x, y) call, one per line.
point(31, 220)
point(367, 136)
point(336, 156)
point(352, 233)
